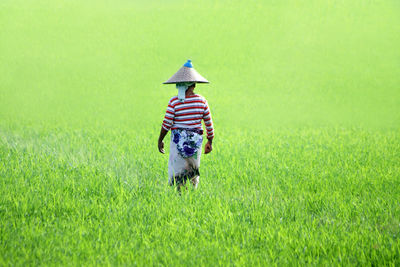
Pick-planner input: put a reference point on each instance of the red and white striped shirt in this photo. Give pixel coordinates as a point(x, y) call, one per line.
point(188, 114)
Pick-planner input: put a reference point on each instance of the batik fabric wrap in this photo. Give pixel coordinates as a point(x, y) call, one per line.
point(184, 159)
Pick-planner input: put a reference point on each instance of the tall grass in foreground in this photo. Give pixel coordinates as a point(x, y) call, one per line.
point(322, 196)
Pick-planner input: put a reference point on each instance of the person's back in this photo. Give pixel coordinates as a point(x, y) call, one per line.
point(188, 114)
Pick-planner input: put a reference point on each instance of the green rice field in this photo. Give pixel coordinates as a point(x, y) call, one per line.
point(305, 99)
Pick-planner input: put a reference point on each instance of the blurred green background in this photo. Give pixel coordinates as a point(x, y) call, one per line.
point(271, 63)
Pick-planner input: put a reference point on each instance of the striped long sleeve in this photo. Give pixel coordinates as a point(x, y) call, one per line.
point(169, 116)
point(208, 121)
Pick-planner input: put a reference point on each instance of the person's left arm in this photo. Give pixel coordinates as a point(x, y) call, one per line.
point(166, 125)
point(163, 133)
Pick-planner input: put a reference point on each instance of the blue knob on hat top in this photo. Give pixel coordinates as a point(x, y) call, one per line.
point(188, 64)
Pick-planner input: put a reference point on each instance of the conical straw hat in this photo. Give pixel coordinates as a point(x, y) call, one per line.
point(186, 74)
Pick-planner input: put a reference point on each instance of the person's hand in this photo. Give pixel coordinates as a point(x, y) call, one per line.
point(161, 147)
point(208, 148)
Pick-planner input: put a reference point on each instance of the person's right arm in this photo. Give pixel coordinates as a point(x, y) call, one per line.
point(209, 128)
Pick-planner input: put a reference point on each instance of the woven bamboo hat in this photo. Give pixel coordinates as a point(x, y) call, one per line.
point(186, 74)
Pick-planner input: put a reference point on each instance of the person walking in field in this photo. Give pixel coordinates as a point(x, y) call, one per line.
point(183, 117)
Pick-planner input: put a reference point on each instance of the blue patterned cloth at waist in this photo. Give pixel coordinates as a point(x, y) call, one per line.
point(195, 130)
point(188, 141)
